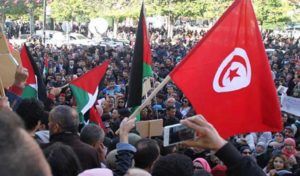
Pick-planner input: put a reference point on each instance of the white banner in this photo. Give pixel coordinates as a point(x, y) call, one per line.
point(290, 105)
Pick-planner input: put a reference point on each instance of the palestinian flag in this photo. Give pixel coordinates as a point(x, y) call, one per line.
point(85, 88)
point(35, 87)
point(141, 65)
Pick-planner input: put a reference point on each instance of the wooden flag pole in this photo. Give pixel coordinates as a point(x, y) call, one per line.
point(64, 86)
point(2, 92)
point(152, 95)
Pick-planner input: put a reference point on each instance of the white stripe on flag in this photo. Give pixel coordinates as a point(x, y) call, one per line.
point(92, 100)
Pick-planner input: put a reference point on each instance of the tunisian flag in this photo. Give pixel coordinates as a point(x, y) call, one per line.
point(227, 77)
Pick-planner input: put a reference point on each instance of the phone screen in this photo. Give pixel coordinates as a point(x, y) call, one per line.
point(180, 133)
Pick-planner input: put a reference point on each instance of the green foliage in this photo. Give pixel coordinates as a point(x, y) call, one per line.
point(118, 9)
point(193, 8)
point(14, 10)
point(20, 10)
point(273, 13)
point(68, 10)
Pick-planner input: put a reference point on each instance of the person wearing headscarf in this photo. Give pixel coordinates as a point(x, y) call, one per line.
point(201, 163)
point(277, 142)
point(261, 154)
point(289, 150)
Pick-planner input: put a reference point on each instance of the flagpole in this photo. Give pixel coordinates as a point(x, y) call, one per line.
point(152, 95)
point(2, 92)
point(155, 100)
point(64, 86)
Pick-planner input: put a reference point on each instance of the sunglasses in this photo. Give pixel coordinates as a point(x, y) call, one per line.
point(246, 152)
point(121, 102)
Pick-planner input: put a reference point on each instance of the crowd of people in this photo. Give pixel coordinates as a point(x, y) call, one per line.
point(70, 148)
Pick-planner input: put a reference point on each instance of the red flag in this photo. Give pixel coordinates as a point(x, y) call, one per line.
point(227, 76)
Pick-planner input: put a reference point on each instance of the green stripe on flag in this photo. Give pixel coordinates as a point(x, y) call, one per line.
point(82, 100)
point(147, 70)
point(29, 92)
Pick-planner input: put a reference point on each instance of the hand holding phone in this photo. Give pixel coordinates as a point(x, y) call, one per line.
point(207, 136)
point(177, 133)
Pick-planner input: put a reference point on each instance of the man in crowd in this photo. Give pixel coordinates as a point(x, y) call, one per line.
point(63, 127)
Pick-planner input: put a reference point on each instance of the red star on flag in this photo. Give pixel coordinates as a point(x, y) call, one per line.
point(233, 74)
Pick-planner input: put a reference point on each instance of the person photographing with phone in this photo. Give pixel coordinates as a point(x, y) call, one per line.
point(207, 137)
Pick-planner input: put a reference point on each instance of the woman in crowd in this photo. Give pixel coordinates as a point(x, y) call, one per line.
point(185, 108)
point(276, 163)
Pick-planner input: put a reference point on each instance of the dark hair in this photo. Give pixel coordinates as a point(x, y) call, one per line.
point(62, 160)
point(161, 96)
point(170, 108)
point(66, 117)
point(17, 155)
point(124, 112)
point(201, 172)
point(30, 110)
point(106, 117)
point(45, 119)
point(244, 148)
point(173, 165)
point(147, 152)
point(91, 134)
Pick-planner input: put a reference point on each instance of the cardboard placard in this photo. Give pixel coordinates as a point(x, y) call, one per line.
point(16, 54)
point(7, 69)
point(150, 128)
point(3, 45)
point(8, 63)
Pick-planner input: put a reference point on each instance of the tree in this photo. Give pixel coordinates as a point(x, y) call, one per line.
point(17, 8)
point(273, 13)
point(71, 10)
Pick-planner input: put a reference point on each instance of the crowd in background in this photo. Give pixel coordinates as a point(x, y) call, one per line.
point(275, 153)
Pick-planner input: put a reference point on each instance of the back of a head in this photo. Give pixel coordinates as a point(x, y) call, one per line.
point(62, 159)
point(97, 172)
point(111, 159)
point(137, 172)
point(201, 172)
point(66, 117)
point(31, 112)
point(147, 152)
point(20, 154)
point(91, 134)
point(173, 165)
point(133, 138)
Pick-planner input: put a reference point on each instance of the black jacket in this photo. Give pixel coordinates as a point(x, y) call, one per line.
point(237, 164)
point(87, 155)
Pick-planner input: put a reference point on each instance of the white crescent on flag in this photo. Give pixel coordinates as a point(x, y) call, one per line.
point(234, 73)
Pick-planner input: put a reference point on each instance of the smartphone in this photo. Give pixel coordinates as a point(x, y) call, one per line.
point(174, 134)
